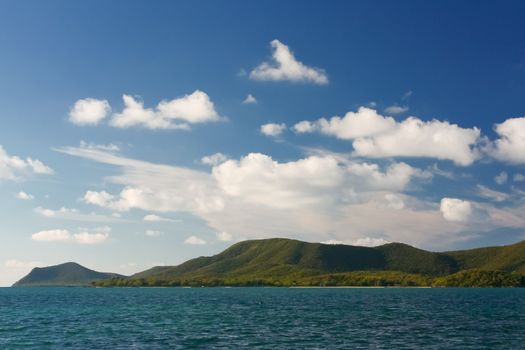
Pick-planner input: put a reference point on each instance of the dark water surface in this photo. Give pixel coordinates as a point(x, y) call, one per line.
point(261, 318)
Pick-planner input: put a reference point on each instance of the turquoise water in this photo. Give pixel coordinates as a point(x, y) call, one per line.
point(261, 318)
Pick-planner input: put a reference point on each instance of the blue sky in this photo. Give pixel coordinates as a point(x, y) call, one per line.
point(370, 122)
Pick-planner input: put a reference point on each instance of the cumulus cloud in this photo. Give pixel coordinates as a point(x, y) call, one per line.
point(511, 143)
point(194, 240)
point(153, 233)
point(378, 136)
point(89, 111)
point(286, 67)
point(100, 198)
point(304, 127)
point(395, 109)
point(178, 113)
point(59, 235)
point(316, 198)
point(501, 178)
point(363, 123)
point(396, 176)
point(273, 129)
point(13, 167)
point(363, 242)
point(257, 178)
point(394, 201)
point(214, 159)
point(63, 235)
point(370, 242)
point(24, 196)
point(332, 242)
point(249, 100)
point(454, 209)
point(90, 238)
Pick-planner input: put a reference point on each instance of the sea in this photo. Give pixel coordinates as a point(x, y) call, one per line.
point(261, 318)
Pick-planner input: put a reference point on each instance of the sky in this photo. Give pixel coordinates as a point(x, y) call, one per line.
point(136, 134)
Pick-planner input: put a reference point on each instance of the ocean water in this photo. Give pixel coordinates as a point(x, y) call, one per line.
point(261, 318)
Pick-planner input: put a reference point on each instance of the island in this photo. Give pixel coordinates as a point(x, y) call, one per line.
point(291, 263)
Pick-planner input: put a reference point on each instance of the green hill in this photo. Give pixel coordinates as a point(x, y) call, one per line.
point(291, 262)
point(68, 274)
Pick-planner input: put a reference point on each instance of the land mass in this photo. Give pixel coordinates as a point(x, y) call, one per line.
point(69, 274)
point(287, 262)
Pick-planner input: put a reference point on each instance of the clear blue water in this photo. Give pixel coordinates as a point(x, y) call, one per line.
point(261, 318)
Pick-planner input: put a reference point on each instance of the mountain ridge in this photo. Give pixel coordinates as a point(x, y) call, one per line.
point(288, 262)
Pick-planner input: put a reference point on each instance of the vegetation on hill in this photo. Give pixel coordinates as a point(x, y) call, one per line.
point(286, 262)
point(481, 278)
point(68, 274)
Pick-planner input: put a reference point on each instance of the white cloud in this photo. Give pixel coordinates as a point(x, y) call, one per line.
point(501, 178)
point(53, 213)
point(249, 100)
point(333, 242)
point(62, 235)
point(287, 67)
point(257, 178)
point(518, 178)
point(178, 113)
point(510, 147)
point(13, 167)
point(258, 197)
point(153, 233)
point(377, 136)
point(101, 198)
point(24, 196)
point(363, 123)
point(224, 236)
point(395, 177)
point(273, 129)
point(194, 240)
point(395, 109)
point(90, 145)
point(363, 242)
point(370, 242)
point(57, 235)
point(394, 201)
point(90, 238)
point(304, 127)
point(89, 111)
point(156, 218)
point(75, 215)
point(454, 209)
point(194, 108)
point(416, 138)
point(214, 159)
point(488, 193)
point(156, 187)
